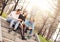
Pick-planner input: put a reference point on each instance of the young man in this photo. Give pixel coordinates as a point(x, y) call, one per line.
point(13, 18)
point(29, 26)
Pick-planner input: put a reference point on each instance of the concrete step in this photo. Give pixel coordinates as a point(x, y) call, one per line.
point(7, 40)
point(28, 40)
point(6, 31)
point(19, 40)
point(10, 35)
point(13, 37)
point(4, 24)
point(31, 40)
point(16, 40)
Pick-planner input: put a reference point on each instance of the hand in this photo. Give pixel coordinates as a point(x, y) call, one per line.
point(30, 27)
point(21, 26)
point(19, 19)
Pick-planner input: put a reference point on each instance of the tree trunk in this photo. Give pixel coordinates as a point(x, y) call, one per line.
point(16, 5)
point(40, 31)
point(57, 35)
point(4, 4)
point(44, 32)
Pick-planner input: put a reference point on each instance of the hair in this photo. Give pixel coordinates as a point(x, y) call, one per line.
point(24, 11)
point(18, 10)
point(32, 18)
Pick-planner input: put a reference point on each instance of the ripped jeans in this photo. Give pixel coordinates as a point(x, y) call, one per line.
point(13, 22)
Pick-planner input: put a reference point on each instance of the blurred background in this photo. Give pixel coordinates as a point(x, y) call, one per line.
point(45, 12)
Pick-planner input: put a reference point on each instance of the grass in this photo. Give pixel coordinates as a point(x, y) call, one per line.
point(49, 41)
point(4, 15)
point(42, 39)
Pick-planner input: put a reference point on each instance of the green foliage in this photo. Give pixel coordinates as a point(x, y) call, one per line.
point(4, 15)
point(42, 39)
point(49, 41)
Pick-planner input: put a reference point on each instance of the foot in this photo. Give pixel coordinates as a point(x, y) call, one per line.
point(14, 30)
point(28, 37)
point(23, 38)
point(9, 30)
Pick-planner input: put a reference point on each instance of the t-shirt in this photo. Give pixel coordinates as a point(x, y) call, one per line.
point(13, 15)
point(22, 17)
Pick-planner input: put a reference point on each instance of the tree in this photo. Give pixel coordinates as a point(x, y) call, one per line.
point(16, 4)
point(56, 15)
point(40, 31)
point(4, 4)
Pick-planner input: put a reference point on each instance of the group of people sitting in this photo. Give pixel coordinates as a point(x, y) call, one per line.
point(17, 19)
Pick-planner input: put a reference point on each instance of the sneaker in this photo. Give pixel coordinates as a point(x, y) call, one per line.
point(9, 30)
point(28, 37)
point(23, 38)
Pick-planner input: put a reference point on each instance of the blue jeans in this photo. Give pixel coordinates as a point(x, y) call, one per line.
point(13, 22)
point(30, 30)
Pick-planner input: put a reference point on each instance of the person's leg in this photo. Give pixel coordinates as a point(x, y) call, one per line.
point(17, 24)
point(30, 31)
point(9, 20)
point(12, 23)
point(23, 29)
point(22, 33)
point(26, 28)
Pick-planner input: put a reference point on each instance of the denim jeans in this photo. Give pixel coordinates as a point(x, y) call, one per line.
point(30, 30)
point(13, 22)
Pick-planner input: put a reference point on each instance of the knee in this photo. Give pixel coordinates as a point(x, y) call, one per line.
point(13, 20)
point(31, 30)
point(18, 22)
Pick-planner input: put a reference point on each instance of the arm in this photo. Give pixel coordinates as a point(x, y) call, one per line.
point(26, 23)
point(10, 15)
point(19, 19)
point(33, 26)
